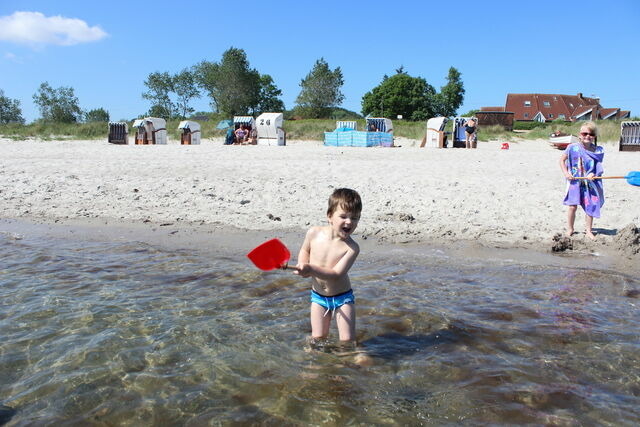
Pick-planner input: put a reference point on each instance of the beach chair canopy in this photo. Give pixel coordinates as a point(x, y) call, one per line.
point(346, 125)
point(630, 136)
point(437, 123)
point(188, 124)
point(380, 123)
point(157, 123)
point(272, 120)
point(243, 120)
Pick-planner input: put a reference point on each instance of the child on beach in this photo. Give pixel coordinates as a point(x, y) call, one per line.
point(326, 255)
point(583, 159)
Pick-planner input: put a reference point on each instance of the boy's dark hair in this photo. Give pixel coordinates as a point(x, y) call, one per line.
point(348, 199)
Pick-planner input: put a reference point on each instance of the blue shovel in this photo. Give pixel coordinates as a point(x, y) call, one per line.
point(632, 178)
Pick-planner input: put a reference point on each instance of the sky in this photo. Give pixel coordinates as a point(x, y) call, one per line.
point(105, 50)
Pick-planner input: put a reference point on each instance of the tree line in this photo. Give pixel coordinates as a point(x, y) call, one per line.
point(234, 88)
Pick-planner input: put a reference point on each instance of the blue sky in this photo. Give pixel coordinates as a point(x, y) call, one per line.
point(105, 50)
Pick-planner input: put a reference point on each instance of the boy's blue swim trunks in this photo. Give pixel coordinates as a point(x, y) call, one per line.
point(333, 302)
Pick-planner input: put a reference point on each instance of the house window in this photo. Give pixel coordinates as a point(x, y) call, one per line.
point(527, 103)
point(547, 104)
point(526, 115)
point(551, 116)
point(561, 116)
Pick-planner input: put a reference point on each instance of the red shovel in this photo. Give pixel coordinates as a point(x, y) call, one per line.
point(270, 255)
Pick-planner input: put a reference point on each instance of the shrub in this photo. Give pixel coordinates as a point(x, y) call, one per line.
point(518, 125)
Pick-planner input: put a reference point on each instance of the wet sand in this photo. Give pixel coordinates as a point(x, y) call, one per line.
point(233, 197)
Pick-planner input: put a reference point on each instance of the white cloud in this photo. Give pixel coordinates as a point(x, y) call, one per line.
point(35, 29)
point(10, 56)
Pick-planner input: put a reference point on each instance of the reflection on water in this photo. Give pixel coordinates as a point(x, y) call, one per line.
point(113, 334)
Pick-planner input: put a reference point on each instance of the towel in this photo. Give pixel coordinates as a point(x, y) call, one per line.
point(588, 194)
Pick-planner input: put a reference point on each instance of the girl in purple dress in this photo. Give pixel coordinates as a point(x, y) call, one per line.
point(583, 159)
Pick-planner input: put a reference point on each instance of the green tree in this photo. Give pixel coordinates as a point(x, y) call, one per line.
point(96, 115)
point(234, 87)
point(10, 111)
point(268, 99)
point(57, 105)
point(159, 86)
point(321, 90)
point(412, 97)
point(184, 85)
point(451, 95)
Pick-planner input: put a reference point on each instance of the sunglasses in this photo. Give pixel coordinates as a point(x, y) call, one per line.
point(587, 134)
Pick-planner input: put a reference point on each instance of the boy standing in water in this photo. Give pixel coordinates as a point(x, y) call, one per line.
point(326, 255)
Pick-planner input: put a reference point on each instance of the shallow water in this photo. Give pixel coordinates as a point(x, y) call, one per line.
point(99, 333)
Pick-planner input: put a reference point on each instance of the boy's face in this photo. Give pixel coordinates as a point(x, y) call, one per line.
point(343, 223)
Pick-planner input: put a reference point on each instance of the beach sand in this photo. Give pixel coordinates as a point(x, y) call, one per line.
point(479, 200)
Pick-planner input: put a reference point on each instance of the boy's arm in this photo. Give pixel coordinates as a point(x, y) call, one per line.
point(304, 254)
point(340, 269)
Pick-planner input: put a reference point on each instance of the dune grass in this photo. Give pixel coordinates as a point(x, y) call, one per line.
point(310, 129)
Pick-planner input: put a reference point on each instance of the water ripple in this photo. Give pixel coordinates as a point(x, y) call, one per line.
point(109, 334)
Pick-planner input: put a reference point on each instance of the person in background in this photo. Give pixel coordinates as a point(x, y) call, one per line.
point(470, 132)
point(583, 159)
point(240, 134)
point(252, 139)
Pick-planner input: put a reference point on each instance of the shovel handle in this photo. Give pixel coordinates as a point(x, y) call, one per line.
point(599, 177)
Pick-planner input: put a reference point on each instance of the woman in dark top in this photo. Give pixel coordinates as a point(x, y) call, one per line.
point(470, 133)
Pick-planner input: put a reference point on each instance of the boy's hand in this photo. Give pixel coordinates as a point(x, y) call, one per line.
point(303, 270)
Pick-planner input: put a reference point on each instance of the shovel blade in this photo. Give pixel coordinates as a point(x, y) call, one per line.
point(633, 178)
point(270, 255)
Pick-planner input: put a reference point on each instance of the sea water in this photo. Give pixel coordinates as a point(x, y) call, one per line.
point(104, 333)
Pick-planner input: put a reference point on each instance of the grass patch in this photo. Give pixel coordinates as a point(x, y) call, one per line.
point(310, 129)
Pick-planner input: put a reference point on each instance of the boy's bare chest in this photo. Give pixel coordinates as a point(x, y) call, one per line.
point(327, 253)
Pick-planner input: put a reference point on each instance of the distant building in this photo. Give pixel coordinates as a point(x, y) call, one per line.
point(548, 107)
point(495, 116)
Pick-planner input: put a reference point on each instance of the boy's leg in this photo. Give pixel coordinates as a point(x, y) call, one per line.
point(319, 322)
point(346, 321)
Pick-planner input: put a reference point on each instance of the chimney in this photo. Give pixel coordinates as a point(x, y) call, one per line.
point(580, 95)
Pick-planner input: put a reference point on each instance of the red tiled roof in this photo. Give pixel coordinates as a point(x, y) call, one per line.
point(579, 112)
point(526, 106)
point(551, 106)
point(605, 113)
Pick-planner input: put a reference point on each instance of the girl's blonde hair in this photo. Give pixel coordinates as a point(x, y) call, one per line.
point(592, 128)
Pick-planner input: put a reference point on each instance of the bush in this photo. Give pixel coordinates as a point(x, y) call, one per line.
point(518, 125)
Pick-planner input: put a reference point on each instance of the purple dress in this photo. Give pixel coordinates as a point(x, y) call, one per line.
point(588, 194)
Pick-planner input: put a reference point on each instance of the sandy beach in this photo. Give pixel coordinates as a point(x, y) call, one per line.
point(483, 198)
